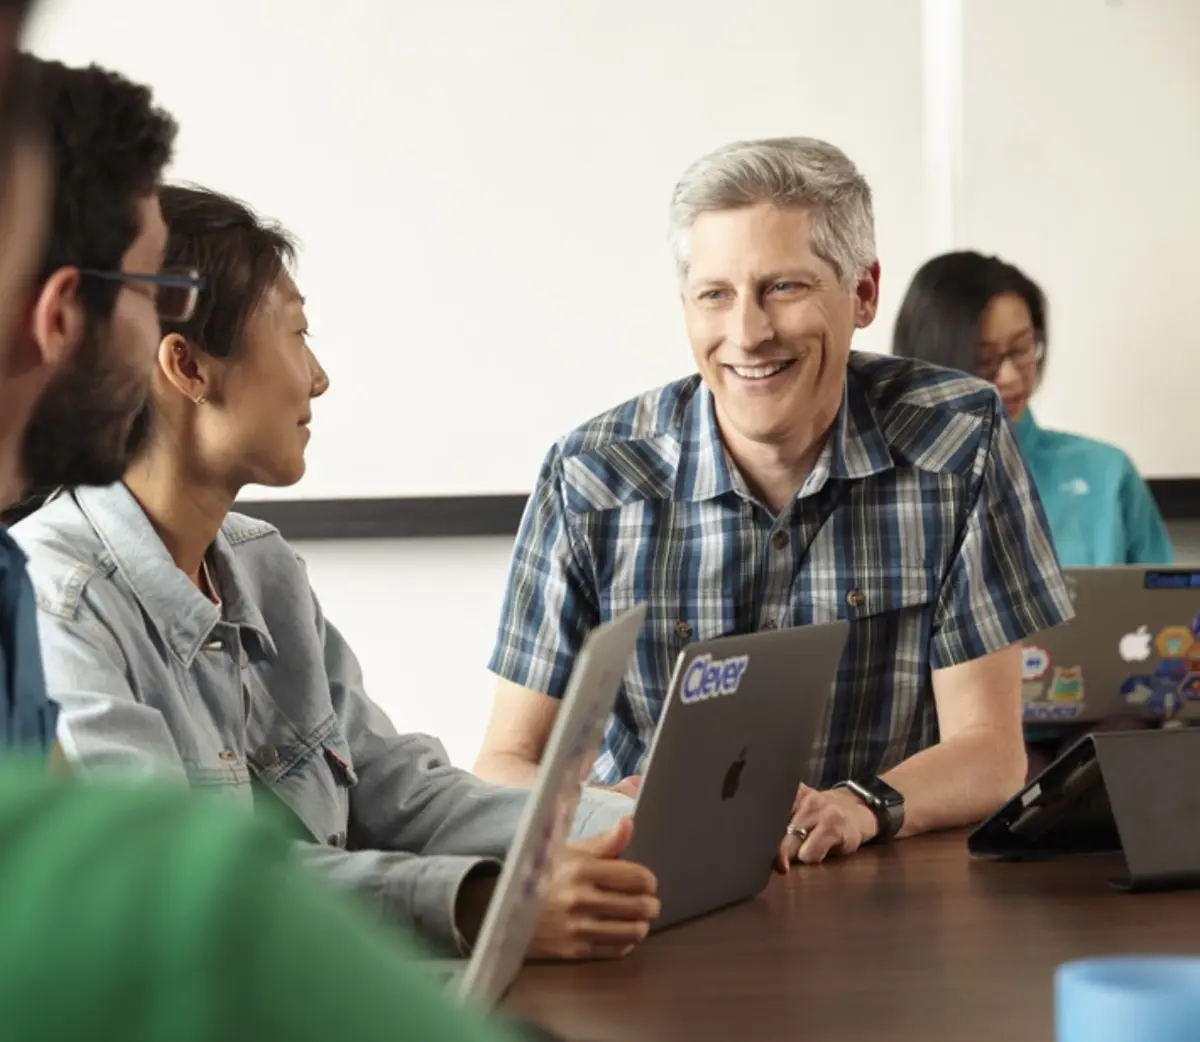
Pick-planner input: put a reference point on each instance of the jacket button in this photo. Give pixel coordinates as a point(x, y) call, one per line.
point(338, 839)
point(267, 755)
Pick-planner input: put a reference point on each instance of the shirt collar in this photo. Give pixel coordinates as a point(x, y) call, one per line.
point(856, 448)
point(1026, 429)
point(183, 615)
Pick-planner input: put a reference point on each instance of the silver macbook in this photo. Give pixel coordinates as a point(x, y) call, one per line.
point(516, 903)
point(1133, 649)
point(732, 746)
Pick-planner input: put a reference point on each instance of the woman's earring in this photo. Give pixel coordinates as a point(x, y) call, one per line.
point(201, 400)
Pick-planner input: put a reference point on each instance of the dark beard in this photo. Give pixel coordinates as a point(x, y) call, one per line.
point(89, 424)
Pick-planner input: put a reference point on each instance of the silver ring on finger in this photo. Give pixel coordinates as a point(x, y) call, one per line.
point(795, 830)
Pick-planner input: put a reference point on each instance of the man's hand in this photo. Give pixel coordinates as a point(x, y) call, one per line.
point(629, 786)
point(837, 822)
point(597, 906)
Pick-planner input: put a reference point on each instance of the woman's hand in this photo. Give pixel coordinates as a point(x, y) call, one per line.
point(597, 906)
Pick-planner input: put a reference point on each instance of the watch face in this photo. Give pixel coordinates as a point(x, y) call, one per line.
point(881, 792)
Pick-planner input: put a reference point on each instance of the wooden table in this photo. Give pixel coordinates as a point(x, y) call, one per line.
point(910, 941)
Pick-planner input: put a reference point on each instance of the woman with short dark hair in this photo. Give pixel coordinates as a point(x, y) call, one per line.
point(194, 648)
point(983, 316)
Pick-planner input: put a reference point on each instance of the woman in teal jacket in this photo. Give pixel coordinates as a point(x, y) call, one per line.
point(983, 316)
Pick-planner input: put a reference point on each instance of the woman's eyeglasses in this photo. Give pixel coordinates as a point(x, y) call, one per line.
point(1023, 355)
point(176, 290)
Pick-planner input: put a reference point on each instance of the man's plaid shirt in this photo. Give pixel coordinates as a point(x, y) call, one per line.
point(919, 523)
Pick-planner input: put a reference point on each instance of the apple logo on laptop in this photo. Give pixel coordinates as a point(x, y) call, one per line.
point(1135, 647)
point(733, 777)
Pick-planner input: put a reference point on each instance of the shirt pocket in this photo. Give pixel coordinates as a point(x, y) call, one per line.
point(882, 696)
point(877, 595)
point(315, 777)
point(671, 625)
point(336, 750)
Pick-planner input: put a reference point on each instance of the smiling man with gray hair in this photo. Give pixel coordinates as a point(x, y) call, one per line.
point(792, 482)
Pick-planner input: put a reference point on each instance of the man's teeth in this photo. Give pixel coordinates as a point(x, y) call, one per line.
point(758, 372)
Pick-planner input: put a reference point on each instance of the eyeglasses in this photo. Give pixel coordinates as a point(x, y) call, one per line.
point(176, 290)
point(1021, 355)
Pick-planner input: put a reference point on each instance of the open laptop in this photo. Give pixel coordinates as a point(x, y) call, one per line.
point(1064, 810)
point(517, 901)
point(1133, 649)
point(732, 746)
point(1131, 793)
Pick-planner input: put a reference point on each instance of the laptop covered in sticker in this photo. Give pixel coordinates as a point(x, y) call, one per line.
point(1132, 649)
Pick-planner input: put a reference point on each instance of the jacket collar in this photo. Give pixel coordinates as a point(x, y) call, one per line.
point(179, 611)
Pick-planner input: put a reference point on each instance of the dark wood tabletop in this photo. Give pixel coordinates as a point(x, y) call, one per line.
point(910, 941)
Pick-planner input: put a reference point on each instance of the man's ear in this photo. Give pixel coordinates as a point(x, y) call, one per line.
point(58, 320)
point(866, 297)
point(184, 368)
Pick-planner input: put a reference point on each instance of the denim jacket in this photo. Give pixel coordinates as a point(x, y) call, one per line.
point(153, 678)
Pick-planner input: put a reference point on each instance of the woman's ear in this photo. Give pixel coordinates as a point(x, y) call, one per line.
point(184, 368)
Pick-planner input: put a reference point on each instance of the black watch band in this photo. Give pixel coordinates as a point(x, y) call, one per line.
point(883, 801)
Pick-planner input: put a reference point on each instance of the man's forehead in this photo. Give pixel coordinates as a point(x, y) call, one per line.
point(763, 238)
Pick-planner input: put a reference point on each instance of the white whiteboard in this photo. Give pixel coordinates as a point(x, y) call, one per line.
point(1081, 163)
point(481, 188)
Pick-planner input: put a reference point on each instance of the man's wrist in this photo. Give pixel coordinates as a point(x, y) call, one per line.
point(860, 813)
point(884, 803)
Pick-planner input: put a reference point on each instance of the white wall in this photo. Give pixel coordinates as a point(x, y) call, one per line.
point(481, 188)
point(1080, 154)
point(421, 615)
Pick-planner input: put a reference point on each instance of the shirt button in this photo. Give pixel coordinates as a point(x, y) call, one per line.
point(267, 755)
point(771, 624)
point(855, 598)
point(780, 540)
point(228, 755)
point(338, 839)
point(683, 629)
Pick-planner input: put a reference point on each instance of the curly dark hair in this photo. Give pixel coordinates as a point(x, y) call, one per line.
point(110, 145)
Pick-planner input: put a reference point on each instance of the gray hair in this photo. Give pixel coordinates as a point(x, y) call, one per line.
point(798, 173)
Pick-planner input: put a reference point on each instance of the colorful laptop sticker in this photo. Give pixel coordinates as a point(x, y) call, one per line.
point(1173, 641)
point(1035, 663)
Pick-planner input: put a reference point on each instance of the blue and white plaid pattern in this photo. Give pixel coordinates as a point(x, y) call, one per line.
point(919, 523)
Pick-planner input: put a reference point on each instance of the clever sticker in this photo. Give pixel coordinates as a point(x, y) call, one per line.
point(706, 679)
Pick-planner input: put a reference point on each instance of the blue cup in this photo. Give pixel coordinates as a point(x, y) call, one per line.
point(1153, 998)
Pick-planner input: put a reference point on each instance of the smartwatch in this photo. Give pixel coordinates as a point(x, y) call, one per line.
point(883, 801)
